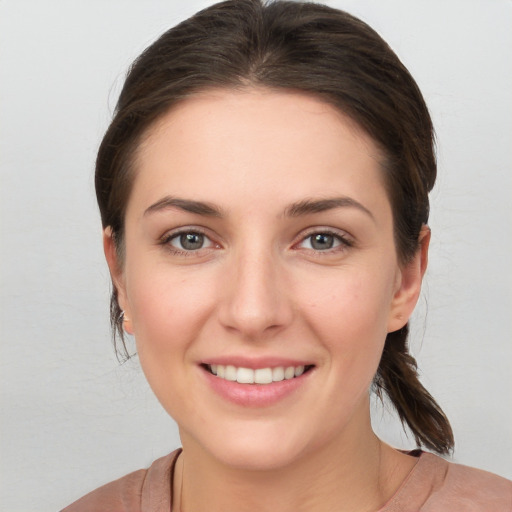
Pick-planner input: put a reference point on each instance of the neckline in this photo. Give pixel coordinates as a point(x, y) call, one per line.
point(172, 471)
point(422, 457)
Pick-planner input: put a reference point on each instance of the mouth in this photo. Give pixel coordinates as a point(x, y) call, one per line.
point(266, 375)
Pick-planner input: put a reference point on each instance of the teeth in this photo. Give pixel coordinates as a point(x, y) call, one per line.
point(289, 372)
point(263, 376)
point(258, 376)
point(299, 370)
point(230, 373)
point(245, 376)
point(278, 374)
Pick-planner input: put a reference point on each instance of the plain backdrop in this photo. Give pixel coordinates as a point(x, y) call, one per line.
point(72, 418)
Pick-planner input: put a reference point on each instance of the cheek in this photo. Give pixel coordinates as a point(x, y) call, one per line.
point(351, 319)
point(351, 299)
point(168, 309)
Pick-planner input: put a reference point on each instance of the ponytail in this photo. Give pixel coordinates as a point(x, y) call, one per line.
point(397, 376)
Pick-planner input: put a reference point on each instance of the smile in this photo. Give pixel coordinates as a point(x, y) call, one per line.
point(256, 376)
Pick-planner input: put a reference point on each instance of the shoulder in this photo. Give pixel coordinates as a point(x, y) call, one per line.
point(145, 489)
point(473, 489)
point(436, 485)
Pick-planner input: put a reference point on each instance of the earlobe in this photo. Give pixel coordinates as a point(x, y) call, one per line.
point(116, 274)
point(409, 284)
point(127, 323)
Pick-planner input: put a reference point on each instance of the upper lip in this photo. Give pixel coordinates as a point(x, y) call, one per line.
point(255, 362)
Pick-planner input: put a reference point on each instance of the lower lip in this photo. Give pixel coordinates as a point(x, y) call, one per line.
point(255, 395)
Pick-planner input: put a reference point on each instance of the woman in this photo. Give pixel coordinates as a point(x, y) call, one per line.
point(263, 189)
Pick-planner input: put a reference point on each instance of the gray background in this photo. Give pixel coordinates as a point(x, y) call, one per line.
point(71, 417)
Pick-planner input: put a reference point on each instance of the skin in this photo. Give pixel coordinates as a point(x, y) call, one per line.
point(258, 288)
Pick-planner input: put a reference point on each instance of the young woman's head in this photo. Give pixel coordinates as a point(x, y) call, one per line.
point(264, 189)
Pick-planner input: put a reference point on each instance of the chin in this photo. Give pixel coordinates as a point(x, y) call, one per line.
point(254, 449)
point(255, 457)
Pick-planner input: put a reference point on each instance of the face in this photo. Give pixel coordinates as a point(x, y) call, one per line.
point(260, 275)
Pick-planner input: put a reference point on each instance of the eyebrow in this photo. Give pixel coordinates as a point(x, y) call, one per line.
point(187, 205)
point(298, 209)
point(310, 206)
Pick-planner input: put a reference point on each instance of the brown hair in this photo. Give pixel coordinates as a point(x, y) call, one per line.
point(314, 49)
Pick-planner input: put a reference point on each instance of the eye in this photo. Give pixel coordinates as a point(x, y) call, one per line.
point(189, 241)
point(324, 241)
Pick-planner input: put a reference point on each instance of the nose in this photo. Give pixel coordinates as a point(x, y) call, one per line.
point(256, 301)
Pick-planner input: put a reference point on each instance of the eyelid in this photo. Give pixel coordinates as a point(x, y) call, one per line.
point(174, 233)
point(345, 239)
point(207, 243)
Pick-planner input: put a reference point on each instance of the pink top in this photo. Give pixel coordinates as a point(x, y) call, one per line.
point(434, 485)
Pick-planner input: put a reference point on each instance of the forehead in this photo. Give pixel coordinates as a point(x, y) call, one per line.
point(225, 142)
point(253, 107)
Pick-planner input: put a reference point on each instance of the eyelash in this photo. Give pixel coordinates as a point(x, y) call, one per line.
point(168, 238)
point(343, 242)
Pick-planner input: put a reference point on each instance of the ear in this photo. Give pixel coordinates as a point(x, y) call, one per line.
point(408, 285)
point(117, 276)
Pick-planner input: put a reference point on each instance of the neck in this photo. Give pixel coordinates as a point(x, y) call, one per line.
point(360, 475)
